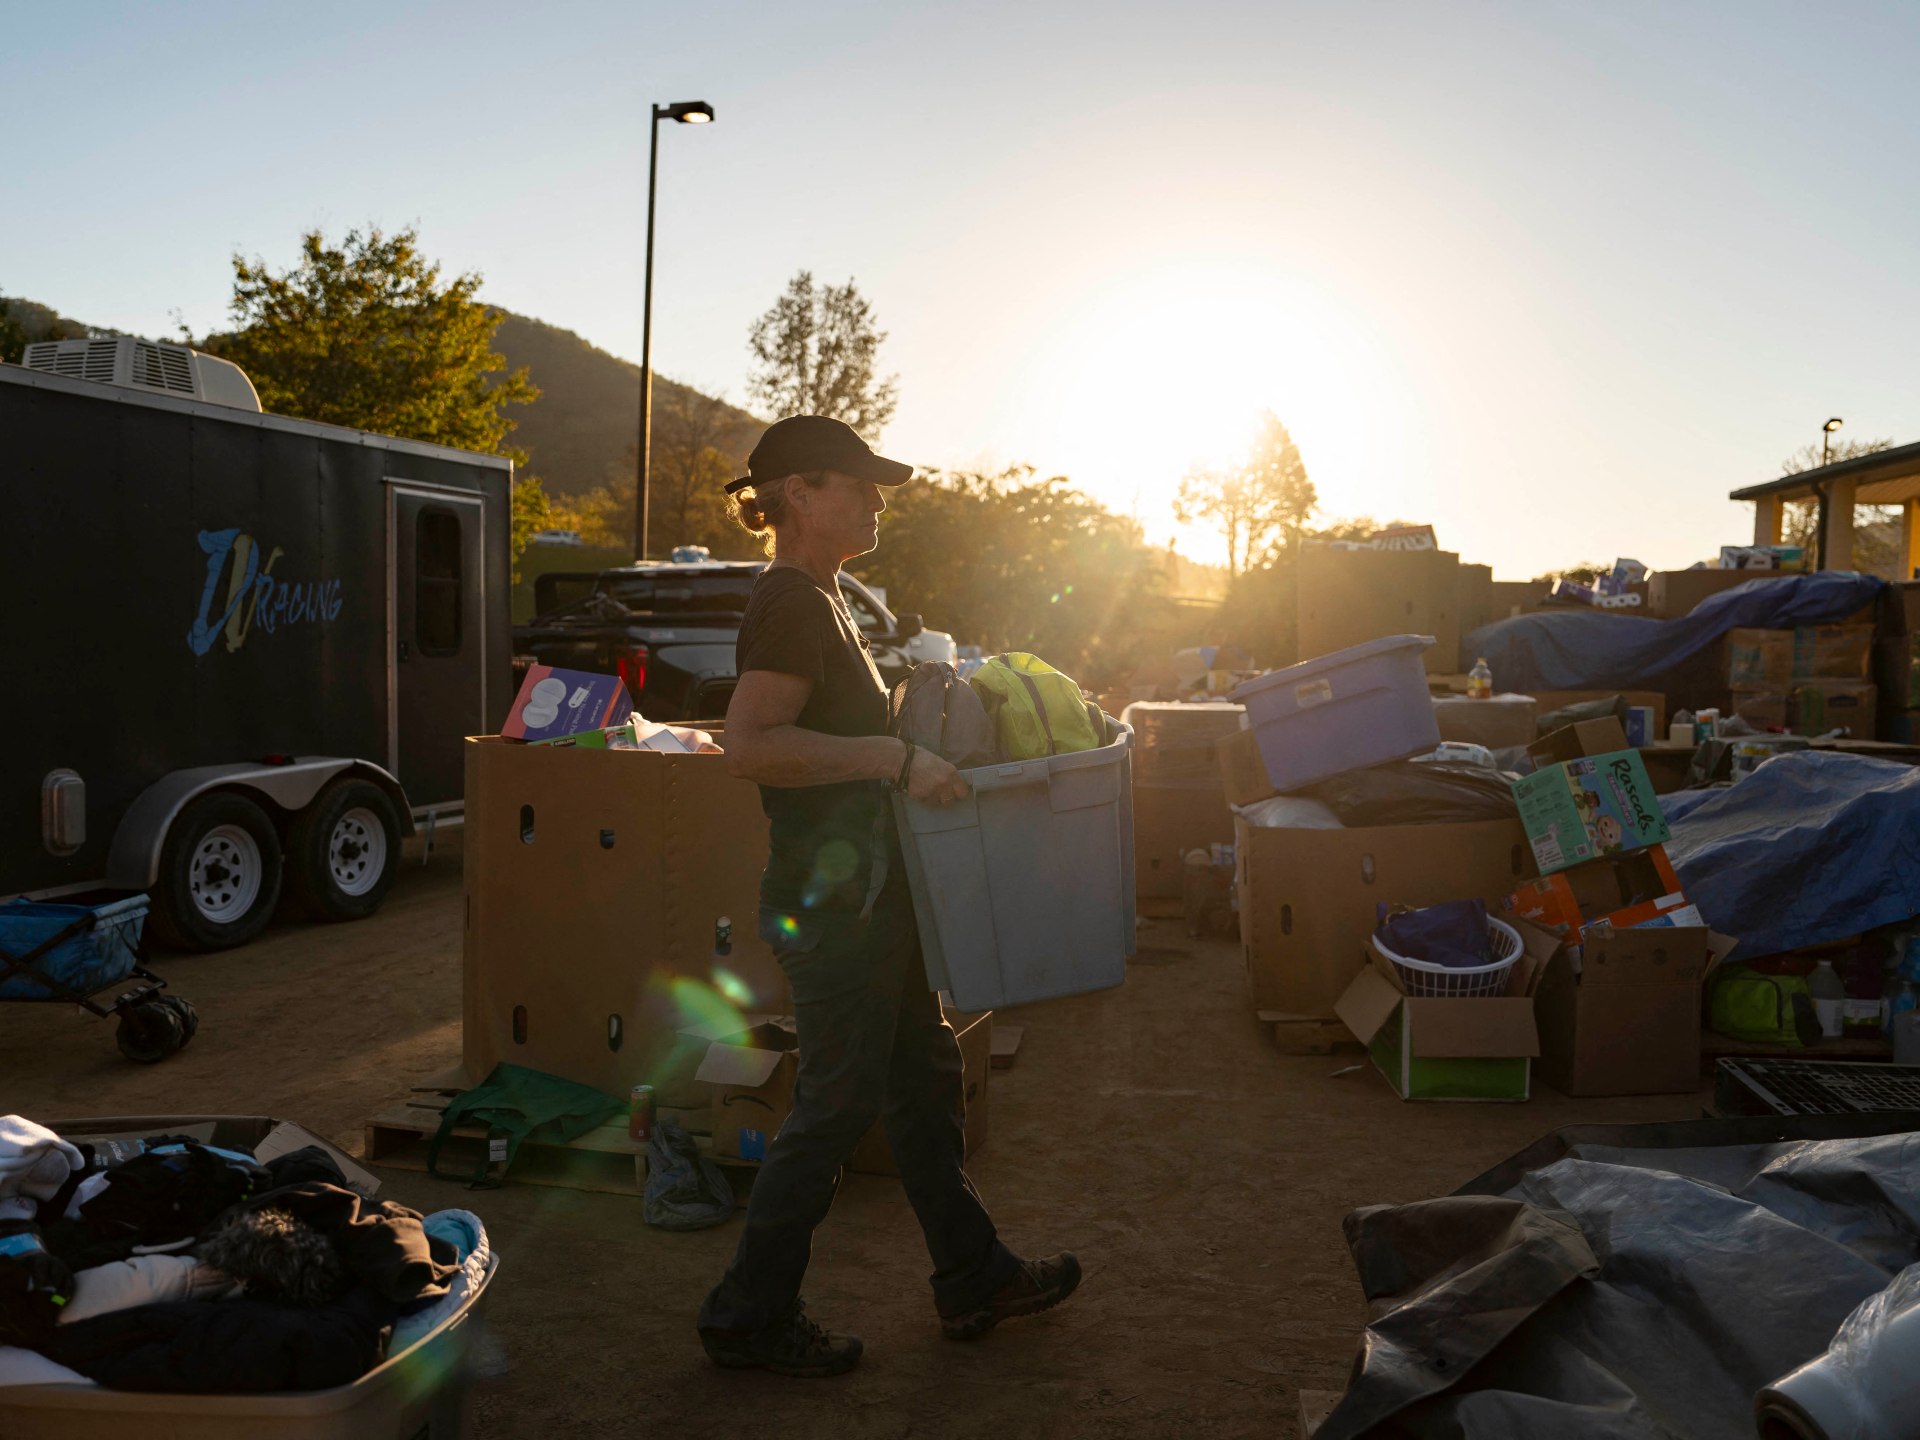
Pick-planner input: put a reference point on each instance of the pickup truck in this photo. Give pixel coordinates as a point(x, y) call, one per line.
point(668, 631)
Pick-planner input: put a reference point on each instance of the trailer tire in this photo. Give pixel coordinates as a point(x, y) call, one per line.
point(220, 873)
point(343, 851)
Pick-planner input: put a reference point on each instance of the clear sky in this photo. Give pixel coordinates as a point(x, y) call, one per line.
point(1554, 277)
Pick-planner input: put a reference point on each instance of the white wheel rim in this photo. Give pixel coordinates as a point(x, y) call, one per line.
point(357, 852)
point(225, 874)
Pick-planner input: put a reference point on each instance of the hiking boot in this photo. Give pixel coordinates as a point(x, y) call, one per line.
point(793, 1346)
point(1037, 1285)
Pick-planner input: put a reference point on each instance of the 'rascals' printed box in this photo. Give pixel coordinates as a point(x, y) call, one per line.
point(1595, 805)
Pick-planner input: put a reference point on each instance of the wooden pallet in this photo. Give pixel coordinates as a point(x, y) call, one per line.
point(1306, 1034)
point(604, 1159)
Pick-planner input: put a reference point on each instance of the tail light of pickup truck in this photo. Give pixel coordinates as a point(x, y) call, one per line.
point(632, 668)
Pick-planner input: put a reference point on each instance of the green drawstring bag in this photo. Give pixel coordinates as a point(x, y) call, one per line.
point(514, 1103)
point(1763, 1009)
point(1036, 711)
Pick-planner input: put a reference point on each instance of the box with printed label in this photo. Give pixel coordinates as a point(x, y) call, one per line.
point(1605, 891)
point(1759, 659)
point(554, 702)
point(1832, 652)
point(1821, 706)
point(1596, 805)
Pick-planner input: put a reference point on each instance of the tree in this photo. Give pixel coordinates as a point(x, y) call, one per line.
point(13, 335)
point(815, 352)
point(365, 334)
point(690, 470)
point(1874, 539)
point(1258, 504)
point(1807, 457)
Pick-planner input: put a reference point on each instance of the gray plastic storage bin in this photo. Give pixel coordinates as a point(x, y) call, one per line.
point(1343, 711)
point(419, 1393)
point(1024, 890)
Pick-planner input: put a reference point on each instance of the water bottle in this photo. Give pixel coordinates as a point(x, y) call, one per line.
point(1829, 998)
point(1480, 680)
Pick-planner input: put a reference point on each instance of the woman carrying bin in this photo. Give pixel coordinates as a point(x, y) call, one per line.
point(808, 723)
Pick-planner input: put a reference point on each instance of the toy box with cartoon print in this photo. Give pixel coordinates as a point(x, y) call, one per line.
point(1586, 807)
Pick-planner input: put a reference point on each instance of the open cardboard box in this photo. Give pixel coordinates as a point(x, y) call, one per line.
point(1620, 1014)
point(1432, 1048)
point(750, 1074)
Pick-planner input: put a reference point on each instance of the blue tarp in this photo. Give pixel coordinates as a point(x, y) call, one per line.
point(1814, 846)
point(1601, 650)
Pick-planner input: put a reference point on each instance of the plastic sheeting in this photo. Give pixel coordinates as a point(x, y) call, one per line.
point(1625, 1291)
point(1597, 650)
point(1812, 847)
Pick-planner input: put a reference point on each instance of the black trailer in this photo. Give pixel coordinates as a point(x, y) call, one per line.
point(244, 649)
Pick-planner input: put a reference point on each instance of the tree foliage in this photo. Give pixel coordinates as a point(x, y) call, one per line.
point(1259, 504)
point(814, 354)
point(1807, 457)
point(366, 334)
point(13, 334)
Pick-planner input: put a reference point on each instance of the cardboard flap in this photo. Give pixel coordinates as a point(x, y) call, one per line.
point(1662, 955)
point(1367, 1004)
point(1464, 1029)
point(739, 1066)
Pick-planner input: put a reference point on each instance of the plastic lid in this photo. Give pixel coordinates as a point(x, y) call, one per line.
point(1386, 645)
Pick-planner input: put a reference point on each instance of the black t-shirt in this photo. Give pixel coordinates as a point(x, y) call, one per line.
point(823, 835)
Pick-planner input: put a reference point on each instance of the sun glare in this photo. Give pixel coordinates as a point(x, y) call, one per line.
point(1166, 369)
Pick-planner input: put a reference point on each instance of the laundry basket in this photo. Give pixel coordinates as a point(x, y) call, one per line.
point(1024, 890)
point(1447, 982)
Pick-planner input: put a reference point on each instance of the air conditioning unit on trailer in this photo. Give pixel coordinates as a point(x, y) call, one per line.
point(146, 365)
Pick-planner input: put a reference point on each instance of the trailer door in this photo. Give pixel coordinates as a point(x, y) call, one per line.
point(436, 636)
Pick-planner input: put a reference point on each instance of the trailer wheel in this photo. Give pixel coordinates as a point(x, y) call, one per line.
point(343, 851)
point(219, 875)
point(151, 1031)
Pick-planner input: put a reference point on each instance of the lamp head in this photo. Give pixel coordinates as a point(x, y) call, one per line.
point(687, 112)
point(1832, 425)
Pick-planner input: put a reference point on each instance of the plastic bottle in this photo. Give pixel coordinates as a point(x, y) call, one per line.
point(1480, 680)
point(1829, 998)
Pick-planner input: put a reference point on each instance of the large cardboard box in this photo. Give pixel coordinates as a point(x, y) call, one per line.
point(1497, 722)
point(1759, 659)
point(1594, 806)
point(1476, 599)
point(595, 880)
point(1823, 705)
point(1584, 737)
point(1673, 593)
point(1832, 652)
point(1348, 597)
point(1896, 670)
point(1619, 891)
point(1763, 709)
point(1308, 898)
point(1444, 1049)
point(1168, 821)
point(1624, 1019)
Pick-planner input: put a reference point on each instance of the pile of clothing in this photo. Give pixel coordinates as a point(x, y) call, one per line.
point(169, 1264)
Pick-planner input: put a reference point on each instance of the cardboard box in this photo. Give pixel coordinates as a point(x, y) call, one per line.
point(1582, 738)
point(1759, 659)
point(1606, 891)
point(1243, 769)
point(1436, 1049)
point(1763, 709)
point(974, 1030)
point(1497, 722)
point(1823, 705)
point(1548, 701)
point(1476, 598)
point(1832, 652)
point(1348, 597)
point(552, 703)
point(1673, 593)
point(594, 883)
point(1516, 597)
point(1669, 766)
point(1584, 808)
point(1308, 898)
point(1624, 1017)
point(1168, 821)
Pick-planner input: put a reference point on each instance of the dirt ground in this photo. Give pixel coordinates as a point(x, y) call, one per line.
point(1200, 1175)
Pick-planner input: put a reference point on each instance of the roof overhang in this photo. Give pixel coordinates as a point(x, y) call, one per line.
point(1886, 477)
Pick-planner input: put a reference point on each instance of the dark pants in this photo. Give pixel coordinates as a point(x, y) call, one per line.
point(873, 1045)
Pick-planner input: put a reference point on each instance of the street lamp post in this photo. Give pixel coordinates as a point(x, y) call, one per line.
point(1826, 435)
point(686, 112)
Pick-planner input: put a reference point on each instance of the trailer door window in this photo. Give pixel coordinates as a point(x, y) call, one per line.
point(436, 572)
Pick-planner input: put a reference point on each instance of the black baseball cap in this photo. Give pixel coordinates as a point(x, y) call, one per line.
point(801, 443)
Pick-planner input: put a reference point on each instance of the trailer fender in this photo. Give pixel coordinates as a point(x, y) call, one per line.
point(133, 861)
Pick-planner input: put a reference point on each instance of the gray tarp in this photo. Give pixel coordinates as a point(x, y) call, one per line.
point(1644, 1283)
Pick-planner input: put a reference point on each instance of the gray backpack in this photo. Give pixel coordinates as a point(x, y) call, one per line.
point(938, 711)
